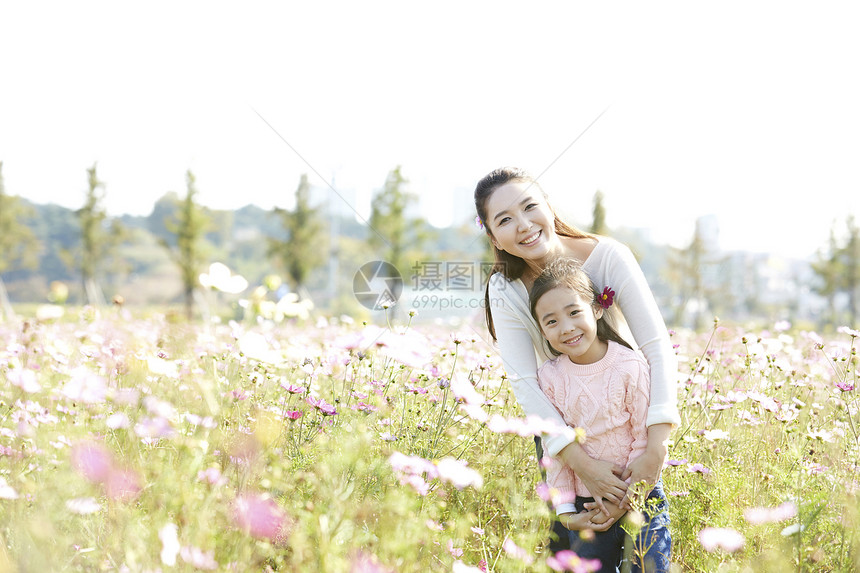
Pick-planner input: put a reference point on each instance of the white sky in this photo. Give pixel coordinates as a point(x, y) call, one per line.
point(746, 110)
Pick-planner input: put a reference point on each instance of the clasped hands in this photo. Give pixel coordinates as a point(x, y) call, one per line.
point(607, 483)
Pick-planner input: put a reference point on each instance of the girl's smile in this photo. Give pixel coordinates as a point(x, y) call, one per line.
point(569, 323)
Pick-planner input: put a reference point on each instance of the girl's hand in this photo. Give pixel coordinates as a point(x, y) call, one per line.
point(592, 519)
point(601, 520)
point(599, 477)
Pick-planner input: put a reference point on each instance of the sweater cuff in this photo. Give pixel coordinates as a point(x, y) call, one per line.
point(554, 444)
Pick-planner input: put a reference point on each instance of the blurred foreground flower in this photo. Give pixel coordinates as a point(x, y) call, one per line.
point(569, 561)
point(759, 515)
point(49, 312)
point(363, 562)
point(93, 461)
point(83, 505)
point(221, 278)
point(7, 491)
point(259, 516)
point(725, 538)
point(169, 543)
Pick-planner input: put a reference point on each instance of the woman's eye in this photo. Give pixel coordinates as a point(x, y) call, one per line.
point(504, 220)
point(531, 206)
point(550, 322)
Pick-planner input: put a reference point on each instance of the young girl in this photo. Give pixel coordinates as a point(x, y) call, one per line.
point(599, 383)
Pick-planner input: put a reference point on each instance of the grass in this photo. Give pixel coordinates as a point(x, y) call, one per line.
point(143, 444)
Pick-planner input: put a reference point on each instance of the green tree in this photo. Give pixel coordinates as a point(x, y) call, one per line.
point(392, 233)
point(299, 253)
point(18, 244)
point(851, 262)
point(99, 239)
point(188, 225)
point(695, 273)
point(827, 266)
point(598, 215)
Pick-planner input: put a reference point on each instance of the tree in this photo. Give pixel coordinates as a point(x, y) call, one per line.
point(598, 215)
point(390, 229)
point(694, 271)
point(827, 267)
point(851, 262)
point(188, 224)
point(18, 245)
point(99, 240)
point(299, 252)
point(838, 270)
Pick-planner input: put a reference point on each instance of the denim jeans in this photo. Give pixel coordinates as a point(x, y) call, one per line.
point(654, 539)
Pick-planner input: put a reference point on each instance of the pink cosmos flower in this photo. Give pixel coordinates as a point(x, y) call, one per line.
point(516, 551)
point(199, 559)
point(363, 562)
point(212, 476)
point(293, 414)
point(698, 468)
point(92, 460)
point(567, 560)
point(725, 538)
point(85, 386)
point(122, 485)
point(324, 407)
point(457, 474)
point(292, 388)
point(759, 515)
point(24, 379)
point(259, 516)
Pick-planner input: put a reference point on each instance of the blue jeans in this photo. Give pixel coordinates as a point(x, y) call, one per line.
point(654, 539)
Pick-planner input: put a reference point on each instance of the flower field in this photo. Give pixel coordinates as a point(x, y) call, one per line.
point(141, 444)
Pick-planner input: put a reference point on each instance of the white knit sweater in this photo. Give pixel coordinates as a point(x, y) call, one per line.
point(522, 346)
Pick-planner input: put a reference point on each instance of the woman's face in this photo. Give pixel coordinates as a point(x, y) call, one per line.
point(521, 222)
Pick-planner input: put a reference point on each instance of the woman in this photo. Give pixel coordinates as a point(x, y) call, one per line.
point(526, 235)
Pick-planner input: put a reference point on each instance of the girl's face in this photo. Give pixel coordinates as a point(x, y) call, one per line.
point(569, 323)
point(521, 222)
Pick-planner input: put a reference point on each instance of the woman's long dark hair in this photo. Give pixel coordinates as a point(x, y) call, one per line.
point(568, 273)
point(511, 266)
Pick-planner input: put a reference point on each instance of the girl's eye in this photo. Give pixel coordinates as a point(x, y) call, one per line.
point(504, 220)
point(550, 322)
point(531, 206)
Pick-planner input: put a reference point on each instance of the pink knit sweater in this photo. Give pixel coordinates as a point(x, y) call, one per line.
point(608, 399)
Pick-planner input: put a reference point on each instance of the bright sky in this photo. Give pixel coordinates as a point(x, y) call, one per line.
point(745, 110)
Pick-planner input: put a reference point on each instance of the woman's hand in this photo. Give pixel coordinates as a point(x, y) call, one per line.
point(592, 519)
point(649, 465)
point(602, 479)
point(601, 522)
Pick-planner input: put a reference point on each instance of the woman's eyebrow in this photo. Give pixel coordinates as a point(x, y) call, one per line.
point(500, 213)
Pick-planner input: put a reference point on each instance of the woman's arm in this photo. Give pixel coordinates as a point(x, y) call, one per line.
point(517, 351)
point(622, 273)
